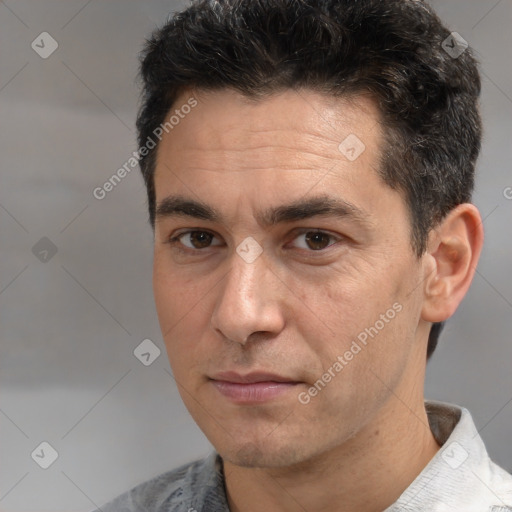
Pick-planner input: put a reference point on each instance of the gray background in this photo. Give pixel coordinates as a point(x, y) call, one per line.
point(69, 325)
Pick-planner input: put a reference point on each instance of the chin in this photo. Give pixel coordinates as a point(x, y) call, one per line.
point(253, 455)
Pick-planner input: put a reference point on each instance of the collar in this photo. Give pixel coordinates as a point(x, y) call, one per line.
point(461, 475)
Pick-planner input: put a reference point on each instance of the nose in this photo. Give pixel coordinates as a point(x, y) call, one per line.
point(249, 301)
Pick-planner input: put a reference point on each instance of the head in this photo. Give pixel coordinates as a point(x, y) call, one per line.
point(250, 110)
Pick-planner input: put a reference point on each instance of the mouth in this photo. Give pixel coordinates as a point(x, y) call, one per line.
point(256, 387)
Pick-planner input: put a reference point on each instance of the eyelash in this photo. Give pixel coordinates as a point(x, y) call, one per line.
point(175, 240)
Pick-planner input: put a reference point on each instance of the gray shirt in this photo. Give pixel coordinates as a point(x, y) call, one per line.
point(459, 478)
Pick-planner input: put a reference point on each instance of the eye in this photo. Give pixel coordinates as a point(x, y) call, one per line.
point(197, 239)
point(316, 240)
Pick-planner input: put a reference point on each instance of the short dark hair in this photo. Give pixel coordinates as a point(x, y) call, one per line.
point(394, 50)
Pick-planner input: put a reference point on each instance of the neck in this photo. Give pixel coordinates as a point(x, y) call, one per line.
point(368, 472)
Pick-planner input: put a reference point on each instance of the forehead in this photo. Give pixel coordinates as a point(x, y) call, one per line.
point(289, 126)
point(284, 142)
point(225, 118)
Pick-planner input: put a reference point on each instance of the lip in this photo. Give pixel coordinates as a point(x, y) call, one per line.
point(250, 377)
point(256, 387)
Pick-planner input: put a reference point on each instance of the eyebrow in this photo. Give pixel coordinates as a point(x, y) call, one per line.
point(320, 205)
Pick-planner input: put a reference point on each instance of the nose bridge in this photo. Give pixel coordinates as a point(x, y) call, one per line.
point(243, 289)
point(246, 303)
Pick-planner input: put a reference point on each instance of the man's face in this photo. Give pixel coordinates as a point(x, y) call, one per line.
point(321, 282)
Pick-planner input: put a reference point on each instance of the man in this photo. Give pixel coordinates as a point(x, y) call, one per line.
point(309, 168)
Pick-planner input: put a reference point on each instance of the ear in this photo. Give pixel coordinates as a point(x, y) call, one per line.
point(450, 261)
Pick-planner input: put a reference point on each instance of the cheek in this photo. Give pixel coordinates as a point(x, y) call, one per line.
point(171, 306)
point(181, 305)
point(165, 297)
point(361, 366)
point(175, 294)
point(364, 313)
point(354, 299)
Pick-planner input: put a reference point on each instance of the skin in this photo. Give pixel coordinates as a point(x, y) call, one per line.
point(362, 440)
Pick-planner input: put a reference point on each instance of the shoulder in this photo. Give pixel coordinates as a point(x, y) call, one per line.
point(173, 490)
point(500, 481)
point(461, 475)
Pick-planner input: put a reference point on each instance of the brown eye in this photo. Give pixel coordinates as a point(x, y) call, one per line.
point(194, 239)
point(315, 240)
point(200, 239)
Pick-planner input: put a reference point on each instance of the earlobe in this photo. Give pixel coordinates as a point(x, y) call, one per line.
point(452, 256)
